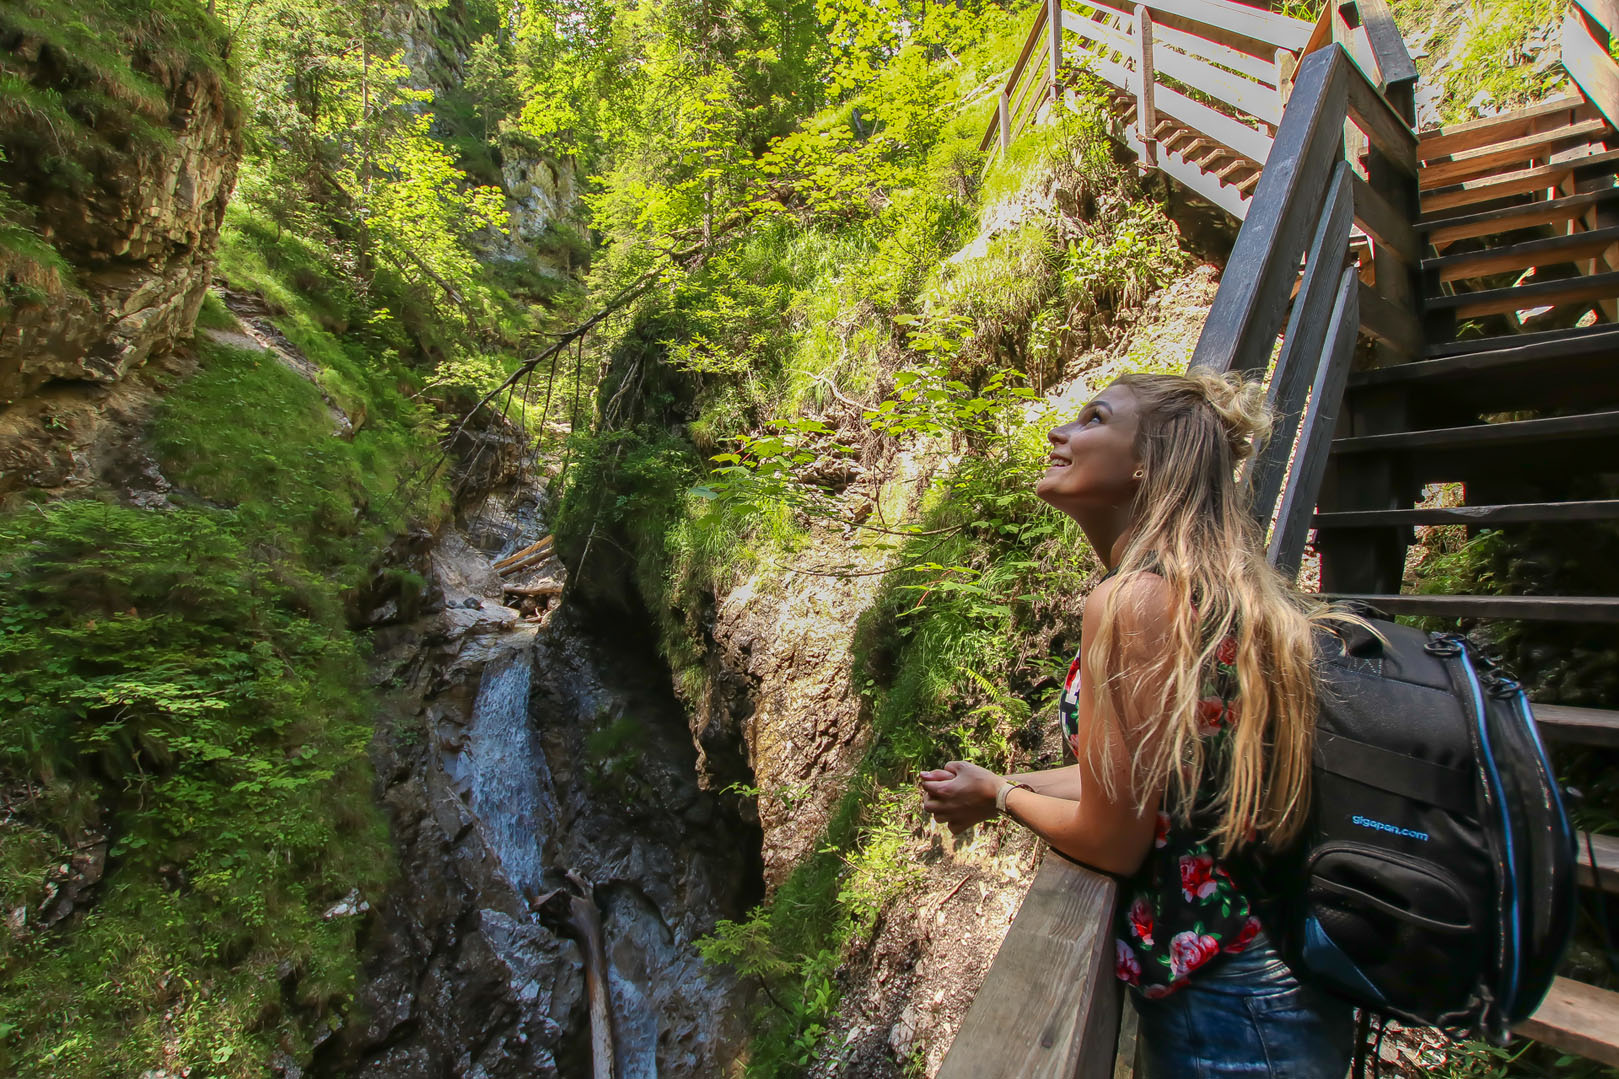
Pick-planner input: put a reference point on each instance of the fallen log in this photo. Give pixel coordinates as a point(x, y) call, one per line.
point(574, 913)
point(530, 562)
point(517, 556)
point(548, 589)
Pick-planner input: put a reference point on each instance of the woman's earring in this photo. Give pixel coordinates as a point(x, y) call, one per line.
point(1140, 473)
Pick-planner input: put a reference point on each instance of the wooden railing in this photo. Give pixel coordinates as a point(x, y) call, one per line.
point(1587, 29)
point(1049, 1007)
point(1307, 200)
point(1200, 84)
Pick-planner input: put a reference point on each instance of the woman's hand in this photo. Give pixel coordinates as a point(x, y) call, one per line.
point(960, 794)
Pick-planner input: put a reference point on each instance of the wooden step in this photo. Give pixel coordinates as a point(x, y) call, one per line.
point(1443, 141)
point(1446, 230)
point(1516, 513)
point(1550, 251)
point(1491, 188)
point(1526, 608)
point(1577, 1018)
point(1484, 435)
point(1472, 164)
point(1578, 726)
point(1561, 370)
point(1606, 849)
point(1516, 340)
point(1585, 289)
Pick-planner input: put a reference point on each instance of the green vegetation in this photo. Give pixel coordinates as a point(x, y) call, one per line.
point(809, 275)
point(832, 324)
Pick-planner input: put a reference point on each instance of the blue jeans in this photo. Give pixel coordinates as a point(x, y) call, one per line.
point(1246, 1015)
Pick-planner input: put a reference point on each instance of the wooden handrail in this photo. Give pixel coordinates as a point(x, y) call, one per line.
point(1049, 1006)
point(1307, 198)
point(1220, 43)
point(1587, 31)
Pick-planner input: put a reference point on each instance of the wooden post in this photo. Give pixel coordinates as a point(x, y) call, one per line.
point(1146, 115)
point(1286, 66)
point(1005, 115)
point(1054, 60)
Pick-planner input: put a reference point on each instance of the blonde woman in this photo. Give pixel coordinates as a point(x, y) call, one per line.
point(1190, 710)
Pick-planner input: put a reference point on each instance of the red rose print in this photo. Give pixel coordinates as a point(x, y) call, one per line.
point(1156, 992)
point(1197, 876)
point(1245, 936)
point(1211, 715)
point(1073, 744)
point(1161, 837)
point(1141, 922)
point(1188, 951)
point(1128, 967)
point(1227, 652)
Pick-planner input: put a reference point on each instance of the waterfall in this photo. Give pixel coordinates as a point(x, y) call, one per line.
point(506, 770)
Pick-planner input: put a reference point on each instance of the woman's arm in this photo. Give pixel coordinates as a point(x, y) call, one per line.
point(962, 805)
point(1084, 822)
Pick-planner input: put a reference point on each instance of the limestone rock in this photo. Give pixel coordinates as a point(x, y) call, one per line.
point(138, 239)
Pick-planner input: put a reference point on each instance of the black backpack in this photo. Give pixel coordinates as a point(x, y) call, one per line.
point(1435, 881)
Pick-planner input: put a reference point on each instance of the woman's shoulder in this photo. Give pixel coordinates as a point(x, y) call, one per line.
point(1139, 598)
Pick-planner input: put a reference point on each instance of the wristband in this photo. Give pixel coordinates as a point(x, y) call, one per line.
point(1007, 787)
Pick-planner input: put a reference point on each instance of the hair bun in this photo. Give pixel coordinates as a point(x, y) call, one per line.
point(1240, 404)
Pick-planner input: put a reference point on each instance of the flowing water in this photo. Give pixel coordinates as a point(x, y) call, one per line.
point(510, 782)
point(521, 753)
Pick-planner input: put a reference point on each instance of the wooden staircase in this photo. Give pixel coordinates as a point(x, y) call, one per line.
point(1447, 304)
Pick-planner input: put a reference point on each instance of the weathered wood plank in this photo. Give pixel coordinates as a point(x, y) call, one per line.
point(1486, 160)
point(1224, 55)
point(1240, 26)
point(1578, 726)
point(1606, 872)
point(1310, 461)
point(1048, 1009)
point(1240, 93)
point(1248, 310)
point(1437, 142)
point(1307, 327)
point(1217, 125)
point(1054, 47)
point(1394, 64)
point(1590, 66)
point(1447, 230)
point(1385, 127)
point(1522, 297)
point(1502, 342)
point(1384, 223)
point(1550, 251)
point(1604, 13)
point(1473, 436)
point(1146, 112)
point(1529, 608)
point(1510, 513)
point(1389, 324)
point(1490, 188)
point(1577, 1018)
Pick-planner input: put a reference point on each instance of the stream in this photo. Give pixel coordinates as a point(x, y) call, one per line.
point(517, 750)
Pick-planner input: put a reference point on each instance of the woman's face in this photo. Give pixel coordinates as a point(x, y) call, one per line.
point(1093, 459)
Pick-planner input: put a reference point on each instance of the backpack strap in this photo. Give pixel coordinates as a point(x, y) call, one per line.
point(1397, 773)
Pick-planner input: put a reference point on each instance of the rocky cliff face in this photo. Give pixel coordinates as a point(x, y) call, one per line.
point(130, 197)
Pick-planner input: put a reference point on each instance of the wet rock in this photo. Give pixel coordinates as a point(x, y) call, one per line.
point(515, 753)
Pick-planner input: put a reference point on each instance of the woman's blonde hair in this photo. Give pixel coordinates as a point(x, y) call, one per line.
point(1194, 529)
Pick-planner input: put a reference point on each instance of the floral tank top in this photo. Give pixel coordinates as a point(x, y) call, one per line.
point(1181, 910)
